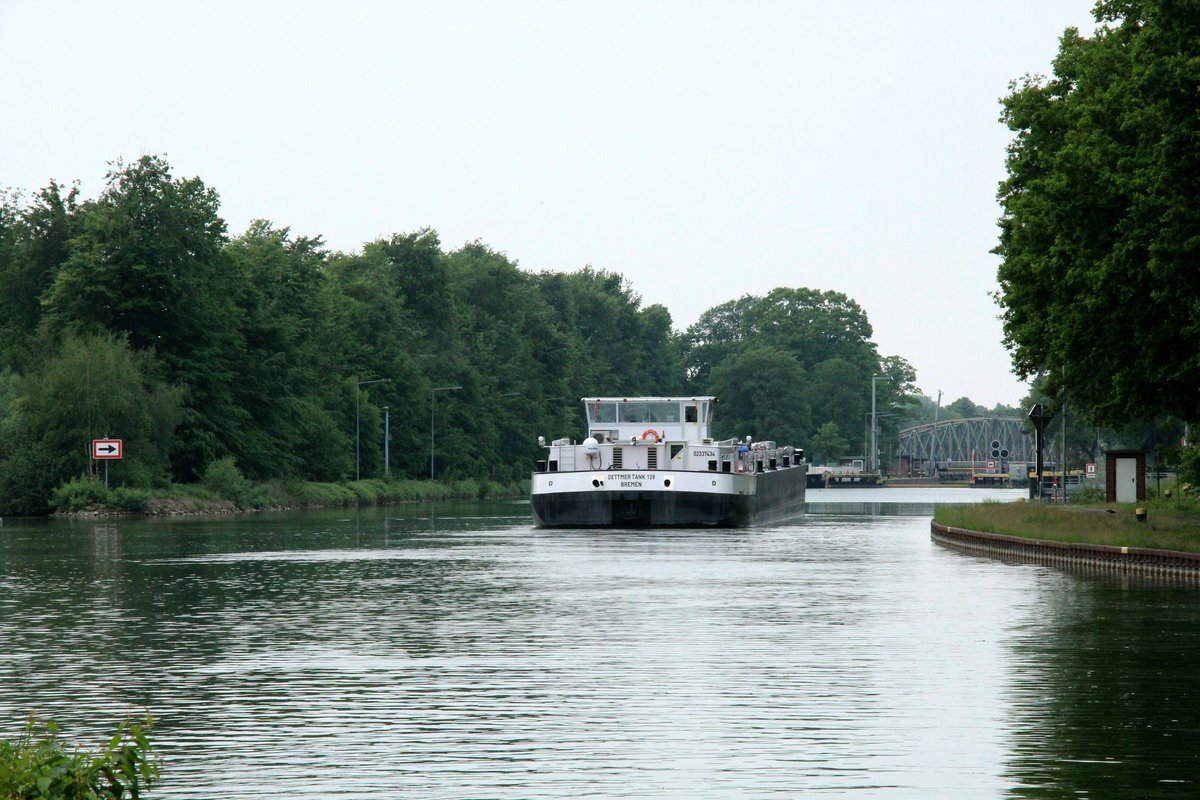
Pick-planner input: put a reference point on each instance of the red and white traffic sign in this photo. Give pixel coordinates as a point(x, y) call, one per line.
point(106, 448)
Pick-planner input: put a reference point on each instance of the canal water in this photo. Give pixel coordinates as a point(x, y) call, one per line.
point(454, 651)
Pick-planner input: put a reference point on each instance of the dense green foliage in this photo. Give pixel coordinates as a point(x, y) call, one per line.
point(227, 363)
point(40, 766)
point(1099, 236)
point(793, 363)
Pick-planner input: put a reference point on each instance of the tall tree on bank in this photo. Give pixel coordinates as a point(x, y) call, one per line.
point(149, 264)
point(292, 345)
point(762, 395)
point(1101, 211)
point(96, 387)
point(718, 332)
point(34, 242)
point(826, 335)
point(814, 326)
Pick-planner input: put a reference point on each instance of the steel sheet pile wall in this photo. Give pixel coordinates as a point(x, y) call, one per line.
point(1136, 560)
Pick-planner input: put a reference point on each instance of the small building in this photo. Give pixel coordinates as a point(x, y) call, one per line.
point(1124, 476)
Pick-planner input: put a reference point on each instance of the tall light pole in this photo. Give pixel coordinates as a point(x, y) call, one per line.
point(432, 409)
point(866, 437)
point(358, 391)
point(1064, 432)
point(874, 431)
point(933, 437)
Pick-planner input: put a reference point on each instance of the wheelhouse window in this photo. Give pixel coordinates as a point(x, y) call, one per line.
point(649, 412)
point(602, 412)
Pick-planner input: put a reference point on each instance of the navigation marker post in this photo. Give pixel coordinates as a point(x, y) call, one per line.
point(1039, 416)
point(106, 450)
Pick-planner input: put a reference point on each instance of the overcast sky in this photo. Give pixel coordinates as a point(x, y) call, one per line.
point(704, 150)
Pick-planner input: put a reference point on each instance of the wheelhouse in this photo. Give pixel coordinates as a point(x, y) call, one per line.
point(617, 419)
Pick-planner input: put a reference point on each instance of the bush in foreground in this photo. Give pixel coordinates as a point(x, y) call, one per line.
point(39, 766)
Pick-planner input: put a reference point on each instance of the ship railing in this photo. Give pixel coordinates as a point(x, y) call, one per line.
point(564, 457)
point(760, 458)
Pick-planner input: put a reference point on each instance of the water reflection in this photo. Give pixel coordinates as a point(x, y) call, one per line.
point(1105, 695)
point(458, 652)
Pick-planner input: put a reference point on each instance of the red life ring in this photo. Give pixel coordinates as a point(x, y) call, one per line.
point(651, 432)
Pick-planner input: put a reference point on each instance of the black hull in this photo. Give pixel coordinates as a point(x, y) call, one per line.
point(779, 496)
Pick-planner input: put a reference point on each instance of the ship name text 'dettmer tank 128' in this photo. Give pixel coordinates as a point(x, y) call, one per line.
point(652, 461)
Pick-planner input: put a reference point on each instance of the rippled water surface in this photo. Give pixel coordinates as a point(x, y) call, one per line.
point(457, 652)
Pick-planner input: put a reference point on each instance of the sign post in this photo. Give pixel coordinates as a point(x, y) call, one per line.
point(106, 450)
point(1039, 416)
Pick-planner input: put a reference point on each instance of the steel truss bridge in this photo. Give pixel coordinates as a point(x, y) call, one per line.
point(971, 441)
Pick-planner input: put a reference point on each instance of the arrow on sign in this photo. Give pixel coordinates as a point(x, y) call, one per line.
point(106, 448)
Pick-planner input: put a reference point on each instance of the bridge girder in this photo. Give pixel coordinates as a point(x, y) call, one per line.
point(966, 440)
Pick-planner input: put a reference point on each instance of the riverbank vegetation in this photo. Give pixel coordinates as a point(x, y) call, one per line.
point(135, 315)
point(39, 764)
point(88, 495)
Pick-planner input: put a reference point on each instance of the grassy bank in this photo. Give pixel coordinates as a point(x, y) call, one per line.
point(1171, 523)
point(231, 493)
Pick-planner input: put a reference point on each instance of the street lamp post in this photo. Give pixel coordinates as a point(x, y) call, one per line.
point(357, 439)
point(874, 432)
point(933, 471)
point(866, 437)
point(1064, 433)
point(432, 416)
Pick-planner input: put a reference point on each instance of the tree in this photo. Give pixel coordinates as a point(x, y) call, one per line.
point(34, 242)
point(763, 395)
point(499, 317)
point(1101, 206)
point(710, 339)
point(839, 393)
point(963, 408)
point(291, 345)
point(149, 264)
point(826, 334)
point(813, 326)
point(96, 387)
point(827, 444)
point(419, 277)
point(25, 482)
point(614, 345)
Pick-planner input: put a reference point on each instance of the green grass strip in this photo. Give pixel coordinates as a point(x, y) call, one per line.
point(1169, 525)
